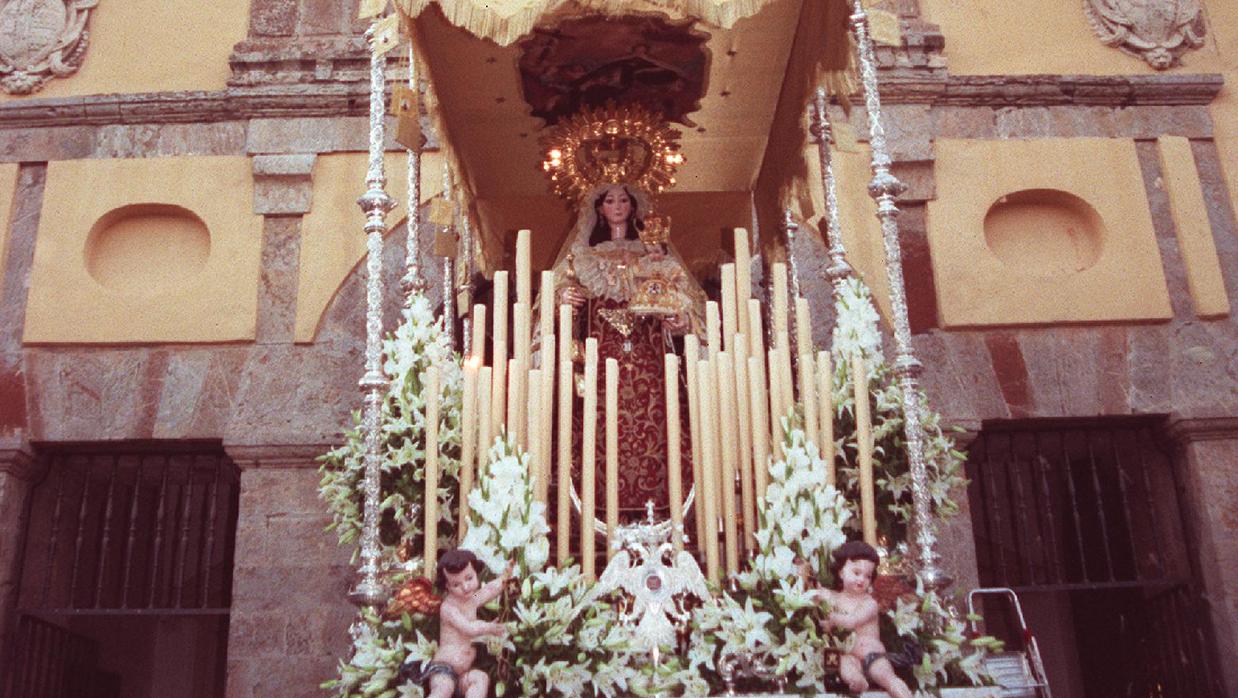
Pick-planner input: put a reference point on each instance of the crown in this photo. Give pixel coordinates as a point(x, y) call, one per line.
point(611, 145)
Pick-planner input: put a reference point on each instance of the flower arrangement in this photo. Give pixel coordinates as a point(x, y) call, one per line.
point(856, 331)
point(800, 519)
point(417, 343)
point(564, 641)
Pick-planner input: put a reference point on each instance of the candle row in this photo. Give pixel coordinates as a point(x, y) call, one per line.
point(738, 394)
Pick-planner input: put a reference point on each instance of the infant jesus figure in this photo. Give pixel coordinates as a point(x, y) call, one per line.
point(451, 674)
point(853, 607)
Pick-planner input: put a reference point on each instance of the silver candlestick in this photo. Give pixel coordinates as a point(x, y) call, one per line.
point(413, 284)
point(376, 204)
point(839, 270)
point(884, 187)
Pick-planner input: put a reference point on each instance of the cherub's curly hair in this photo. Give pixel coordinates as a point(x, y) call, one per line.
point(453, 562)
point(851, 550)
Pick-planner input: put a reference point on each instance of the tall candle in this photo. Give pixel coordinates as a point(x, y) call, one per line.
point(707, 400)
point(524, 277)
point(546, 315)
point(864, 439)
point(727, 425)
point(478, 343)
point(588, 460)
point(825, 395)
point(756, 349)
point(760, 429)
point(808, 397)
point(534, 406)
point(468, 439)
point(743, 277)
point(563, 519)
point(779, 272)
point(545, 417)
point(775, 404)
point(498, 392)
point(713, 329)
point(523, 354)
point(612, 455)
point(744, 431)
point(785, 382)
point(515, 401)
point(803, 328)
point(730, 316)
point(691, 352)
point(673, 472)
point(756, 334)
point(431, 390)
point(485, 436)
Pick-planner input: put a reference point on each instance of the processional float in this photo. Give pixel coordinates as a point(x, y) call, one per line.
point(731, 437)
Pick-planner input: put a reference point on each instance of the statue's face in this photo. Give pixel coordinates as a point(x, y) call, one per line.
point(857, 575)
point(615, 209)
point(462, 583)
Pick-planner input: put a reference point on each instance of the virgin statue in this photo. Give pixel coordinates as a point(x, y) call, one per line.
point(632, 292)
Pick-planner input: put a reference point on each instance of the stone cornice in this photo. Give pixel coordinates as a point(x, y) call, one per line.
point(276, 456)
point(902, 86)
point(233, 104)
point(1182, 431)
point(20, 462)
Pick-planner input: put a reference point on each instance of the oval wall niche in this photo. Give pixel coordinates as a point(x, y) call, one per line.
point(146, 249)
point(1044, 232)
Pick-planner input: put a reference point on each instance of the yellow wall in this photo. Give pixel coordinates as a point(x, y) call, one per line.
point(332, 242)
point(153, 46)
point(1111, 267)
point(993, 37)
point(194, 291)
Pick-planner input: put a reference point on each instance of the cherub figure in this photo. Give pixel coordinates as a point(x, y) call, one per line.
point(853, 607)
point(450, 674)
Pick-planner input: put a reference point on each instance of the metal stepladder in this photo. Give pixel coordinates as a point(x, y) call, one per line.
point(1020, 674)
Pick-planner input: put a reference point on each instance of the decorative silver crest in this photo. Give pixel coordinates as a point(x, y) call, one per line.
point(1158, 31)
point(41, 39)
point(655, 581)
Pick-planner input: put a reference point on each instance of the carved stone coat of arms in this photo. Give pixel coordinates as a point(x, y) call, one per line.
point(1158, 31)
point(41, 39)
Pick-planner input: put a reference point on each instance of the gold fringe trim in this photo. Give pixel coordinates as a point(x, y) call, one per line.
point(505, 21)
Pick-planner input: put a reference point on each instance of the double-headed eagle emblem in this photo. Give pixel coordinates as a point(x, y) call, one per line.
point(656, 582)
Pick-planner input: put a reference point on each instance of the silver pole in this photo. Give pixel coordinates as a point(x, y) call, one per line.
point(413, 283)
point(449, 296)
point(884, 187)
point(376, 204)
point(839, 270)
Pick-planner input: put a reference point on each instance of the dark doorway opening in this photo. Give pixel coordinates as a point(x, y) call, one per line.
point(1086, 521)
point(126, 573)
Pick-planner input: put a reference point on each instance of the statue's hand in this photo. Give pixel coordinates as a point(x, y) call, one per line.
point(572, 295)
point(675, 324)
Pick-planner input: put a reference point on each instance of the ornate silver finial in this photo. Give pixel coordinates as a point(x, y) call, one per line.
point(41, 40)
point(789, 229)
point(839, 270)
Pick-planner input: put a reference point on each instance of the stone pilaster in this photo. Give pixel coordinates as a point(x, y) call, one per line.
point(290, 615)
point(1207, 452)
point(19, 470)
